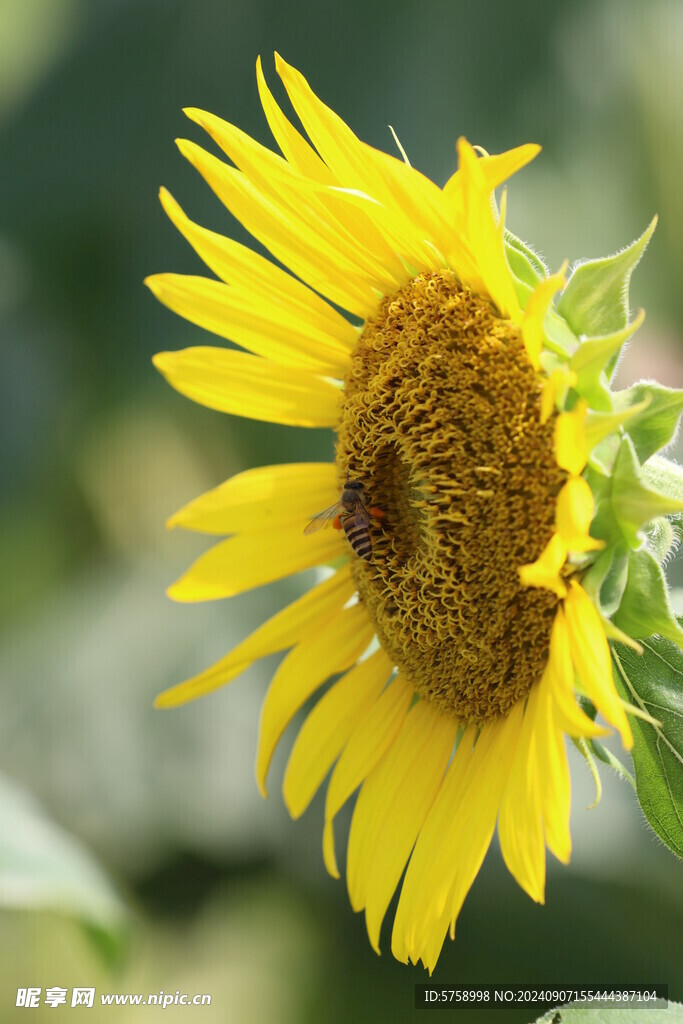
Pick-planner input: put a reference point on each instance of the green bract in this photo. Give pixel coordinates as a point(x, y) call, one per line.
point(638, 498)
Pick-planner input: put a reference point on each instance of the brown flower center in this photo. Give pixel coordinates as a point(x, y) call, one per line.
point(441, 424)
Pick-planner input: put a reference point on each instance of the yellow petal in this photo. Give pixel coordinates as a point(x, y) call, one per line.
point(591, 657)
point(387, 222)
point(520, 821)
point(391, 808)
point(266, 498)
point(294, 147)
point(252, 559)
point(571, 445)
point(266, 329)
point(574, 515)
point(284, 187)
point(555, 389)
point(552, 771)
point(358, 166)
point(290, 235)
point(332, 648)
point(365, 748)
point(399, 232)
point(484, 236)
point(247, 385)
point(579, 431)
point(560, 674)
point(328, 727)
point(414, 195)
point(304, 158)
point(480, 803)
point(254, 275)
point(329, 852)
point(453, 840)
point(545, 571)
point(282, 630)
point(534, 315)
point(497, 168)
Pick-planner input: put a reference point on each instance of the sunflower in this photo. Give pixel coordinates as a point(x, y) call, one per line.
point(473, 415)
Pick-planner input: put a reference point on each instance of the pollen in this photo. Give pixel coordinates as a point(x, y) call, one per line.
point(442, 423)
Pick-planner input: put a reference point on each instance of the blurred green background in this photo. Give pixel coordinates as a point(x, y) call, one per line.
point(211, 889)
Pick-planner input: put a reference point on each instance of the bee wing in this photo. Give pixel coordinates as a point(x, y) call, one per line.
point(361, 515)
point(324, 518)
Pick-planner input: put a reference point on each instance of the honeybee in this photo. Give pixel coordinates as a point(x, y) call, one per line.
point(351, 515)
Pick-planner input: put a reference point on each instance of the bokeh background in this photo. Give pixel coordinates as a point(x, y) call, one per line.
point(136, 854)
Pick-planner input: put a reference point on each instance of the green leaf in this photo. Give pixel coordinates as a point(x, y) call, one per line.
point(608, 758)
point(590, 360)
point(662, 539)
point(605, 580)
point(645, 608)
point(633, 502)
point(527, 270)
point(665, 476)
point(598, 1013)
point(655, 426)
point(559, 336)
point(42, 867)
point(524, 262)
point(653, 681)
point(595, 300)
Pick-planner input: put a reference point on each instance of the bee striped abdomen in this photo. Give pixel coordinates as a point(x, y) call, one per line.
point(358, 536)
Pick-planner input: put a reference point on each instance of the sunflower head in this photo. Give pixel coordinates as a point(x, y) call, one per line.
point(513, 514)
point(441, 415)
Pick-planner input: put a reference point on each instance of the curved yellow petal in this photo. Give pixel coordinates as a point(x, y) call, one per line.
point(266, 329)
point(579, 431)
point(480, 803)
point(266, 498)
point(453, 840)
point(574, 515)
point(414, 250)
point(406, 206)
point(249, 560)
point(328, 727)
point(545, 571)
point(391, 807)
point(292, 144)
point(365, 748)
point(520, 822)
point(591, 657)
point(303, 157)
point(560, 674)
point(291, 235)
point(246, 385)
point(552, 771)
point(285, 188)
point(282, 630)
point(332, 648)
point(414, 195)
point(253, 274)
point(485, 235)
point(497, 168)
point(535, 313)
point(359, 166)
